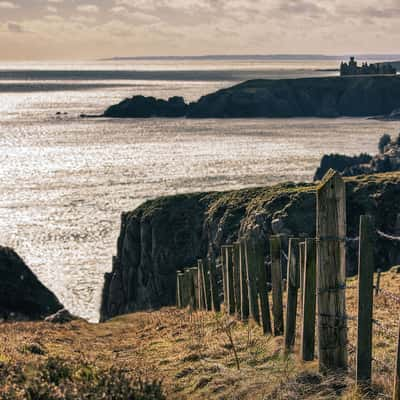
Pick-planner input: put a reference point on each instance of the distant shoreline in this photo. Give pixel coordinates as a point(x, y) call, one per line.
point(261, 57)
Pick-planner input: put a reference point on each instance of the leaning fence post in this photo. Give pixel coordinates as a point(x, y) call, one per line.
point(230, 304)
point(331, 272)
point(236, 276)
point(244, 297)
point(309, 301)
point(365, 298)
point(396, 388)
point(206, 284)
point(276, 277)
point(292, 284)
point(252, 282)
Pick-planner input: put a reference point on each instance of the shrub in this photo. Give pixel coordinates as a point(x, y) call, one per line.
point(383, 141)
point(58, 379)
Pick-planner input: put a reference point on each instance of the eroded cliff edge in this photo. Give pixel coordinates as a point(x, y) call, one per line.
point(169, 233)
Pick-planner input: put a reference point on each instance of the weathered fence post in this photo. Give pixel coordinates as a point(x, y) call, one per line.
point(236, 276)
point(200, 285)
point(215, 300)
point(230, 303)
point(252, 282)
point(244, 297)
point(396, 388)
point(186, 284)
point(309, 301)
point(292, 285)
point(258, 250)
point(179, 289)
point(365, 298)
point(301, 273)
point(192, 296)
point(206, 284)
point(378, 281)
point(331, 272)
point(276, 277)
point(223, 269)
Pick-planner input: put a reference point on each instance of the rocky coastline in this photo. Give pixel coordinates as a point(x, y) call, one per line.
point(170, 233)
point(328, 97)
point(22, 295)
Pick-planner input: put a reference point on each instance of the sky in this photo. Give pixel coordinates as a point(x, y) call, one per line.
point(92, 29)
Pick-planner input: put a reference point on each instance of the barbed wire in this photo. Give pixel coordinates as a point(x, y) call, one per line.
point(387, 236)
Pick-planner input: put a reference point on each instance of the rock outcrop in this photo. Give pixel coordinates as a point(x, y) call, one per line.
point(388, 160)
point(22, 295)
point(146, 107)
point(359, 96)
point(169, 233)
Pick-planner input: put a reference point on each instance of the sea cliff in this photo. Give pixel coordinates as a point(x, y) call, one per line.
point(359, 96)
point(169, 233)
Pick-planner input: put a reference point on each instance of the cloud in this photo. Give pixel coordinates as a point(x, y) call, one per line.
point(8, 5)
point(88, 8)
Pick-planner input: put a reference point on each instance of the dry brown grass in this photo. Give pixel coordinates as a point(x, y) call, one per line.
point(195, 358)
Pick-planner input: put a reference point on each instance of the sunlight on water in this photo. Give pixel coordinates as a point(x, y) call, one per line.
point(65, 181)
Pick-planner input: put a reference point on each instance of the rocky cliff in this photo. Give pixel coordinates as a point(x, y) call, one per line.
point(22, 295)
point(169, 233)
point(358, 96)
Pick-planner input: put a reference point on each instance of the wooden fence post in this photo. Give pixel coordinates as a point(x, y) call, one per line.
point(244, 296)
point(215, 300)
point(179, 289)
point(309, 301)
point(396, 388)
point(301, 273)
point(192, 297)
point(254, 310)
point(365, 298)
point(236, 276)
point(223, 269)
point(258, 250)
point(331, 272)
point(230, 304)
point(200, 285)
point(378, 281)
point(276, 277)
point(206, 285)
point(292, 285)
point(186, 288)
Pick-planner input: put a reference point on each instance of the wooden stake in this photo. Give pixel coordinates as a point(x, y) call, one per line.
point(301, 272)
point(396, 388)
point(179, 290)
point(331, 275)
point(309, 301)
point(251, 265)
point(223, 268)
point(216, 303)
point(236, 276)
point(365, 299)
point(276, 277)
point(258, 249)
point(200, 286)
point(244, 296)
point(292, 285)
point(229, 279)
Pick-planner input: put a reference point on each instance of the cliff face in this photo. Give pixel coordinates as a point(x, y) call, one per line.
point(22, 295)
point(169, 233)
point(313, 97)
point(359, 96)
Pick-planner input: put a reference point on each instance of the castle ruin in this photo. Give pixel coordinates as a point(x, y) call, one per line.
point(352, 68)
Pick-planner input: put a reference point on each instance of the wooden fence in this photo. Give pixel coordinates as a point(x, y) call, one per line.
point(315, 287)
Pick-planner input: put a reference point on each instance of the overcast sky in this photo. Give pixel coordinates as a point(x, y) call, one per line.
point(73, 29)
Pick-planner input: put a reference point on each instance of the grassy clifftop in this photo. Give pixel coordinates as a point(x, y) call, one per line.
point(190, 353)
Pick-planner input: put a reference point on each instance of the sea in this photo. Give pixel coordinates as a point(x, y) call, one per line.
point(64, 180)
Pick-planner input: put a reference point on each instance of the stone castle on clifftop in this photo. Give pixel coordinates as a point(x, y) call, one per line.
point(352, 68)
